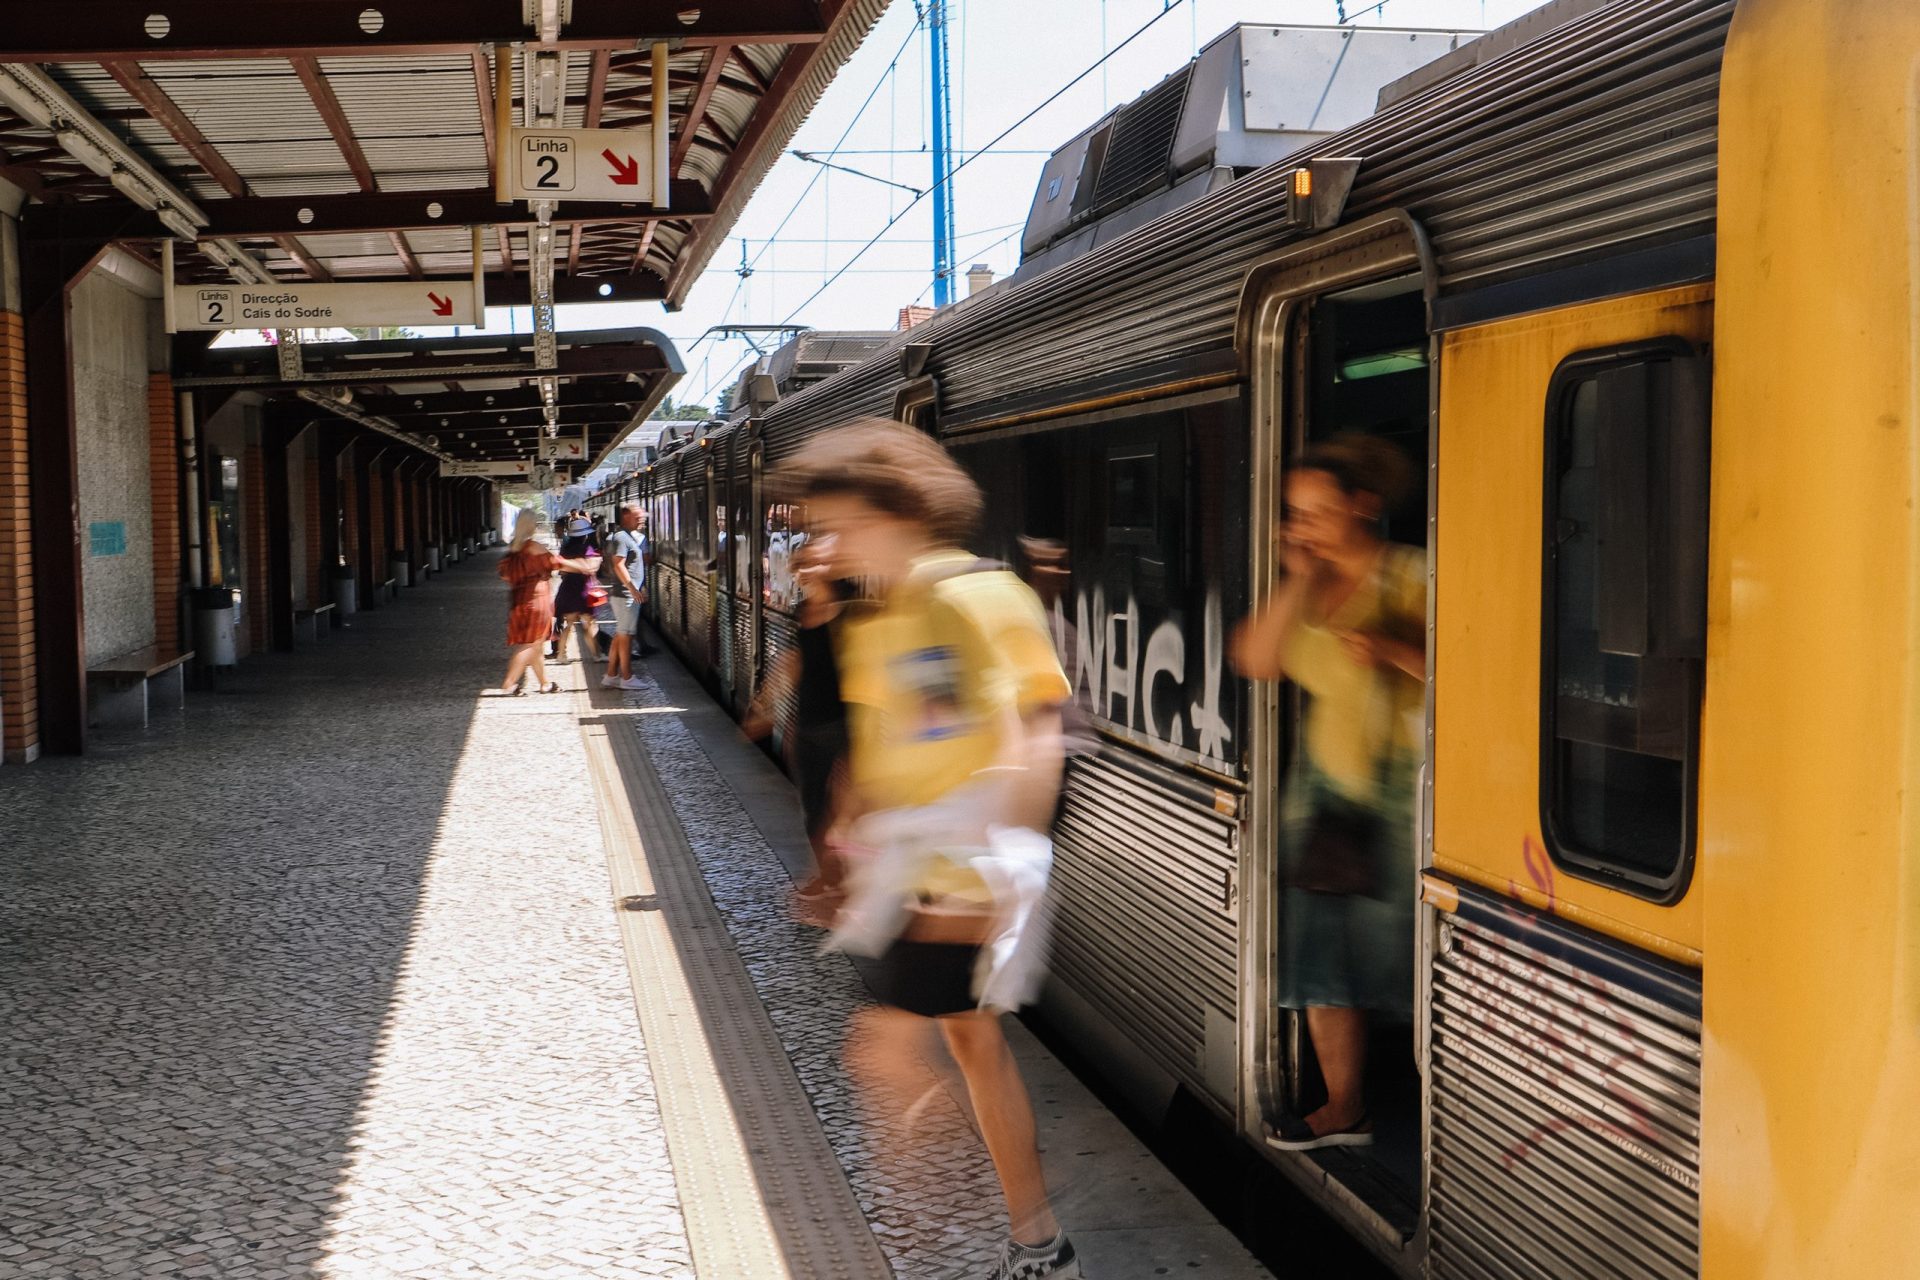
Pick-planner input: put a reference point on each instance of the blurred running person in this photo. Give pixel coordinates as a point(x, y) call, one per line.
point(953, 695)
point(624, 574)
point(528, 568)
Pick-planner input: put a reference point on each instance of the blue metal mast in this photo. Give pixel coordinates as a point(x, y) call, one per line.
point(942, 154)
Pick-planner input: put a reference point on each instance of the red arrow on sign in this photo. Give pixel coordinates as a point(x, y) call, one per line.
point(441, 306)
point(626, 170)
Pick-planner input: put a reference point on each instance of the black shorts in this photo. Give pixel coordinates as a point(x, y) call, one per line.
point(932, 979)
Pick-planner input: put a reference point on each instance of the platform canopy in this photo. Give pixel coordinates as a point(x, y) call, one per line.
point(353, 140)
point(469, 398)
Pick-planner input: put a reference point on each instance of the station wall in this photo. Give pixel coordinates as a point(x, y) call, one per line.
point(110, 330)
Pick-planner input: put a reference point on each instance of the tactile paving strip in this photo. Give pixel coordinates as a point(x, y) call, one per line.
point(907, 1143)
point(761, 1191)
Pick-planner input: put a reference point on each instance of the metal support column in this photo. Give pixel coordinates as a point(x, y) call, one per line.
point(942, 113)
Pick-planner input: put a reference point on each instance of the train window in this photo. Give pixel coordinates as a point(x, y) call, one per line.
point(1624, 605)
point(1133, 496)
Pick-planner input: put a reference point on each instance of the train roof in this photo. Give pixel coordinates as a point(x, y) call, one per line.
point(1582, 158)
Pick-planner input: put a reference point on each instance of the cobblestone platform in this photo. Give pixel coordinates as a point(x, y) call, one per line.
point(326, 981)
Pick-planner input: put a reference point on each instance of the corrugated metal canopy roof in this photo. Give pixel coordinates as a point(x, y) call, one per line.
point(235, 103)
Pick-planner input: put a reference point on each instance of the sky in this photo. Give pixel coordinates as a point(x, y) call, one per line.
point(806, 223)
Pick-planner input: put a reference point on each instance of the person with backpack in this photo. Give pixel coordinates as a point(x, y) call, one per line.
point(953, 695)
point(623, 573)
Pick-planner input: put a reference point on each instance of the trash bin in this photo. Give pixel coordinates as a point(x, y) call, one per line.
point(399, 570)
point(433, 559)
point(346, 592)
point(451, 553)
point(213, 626)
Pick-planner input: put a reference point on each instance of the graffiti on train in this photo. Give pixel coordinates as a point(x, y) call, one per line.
point(1148, 684)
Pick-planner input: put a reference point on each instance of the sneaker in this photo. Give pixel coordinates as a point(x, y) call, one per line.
point(633, 682)
point(1052, 1261)
point(610, 682)
point(1291, 1133)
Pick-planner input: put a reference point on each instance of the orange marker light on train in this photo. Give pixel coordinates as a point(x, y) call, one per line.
point(1302, 183)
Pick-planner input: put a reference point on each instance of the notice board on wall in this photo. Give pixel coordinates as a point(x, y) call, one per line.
point(107, 538)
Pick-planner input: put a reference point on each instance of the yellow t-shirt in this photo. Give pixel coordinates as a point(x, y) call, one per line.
point(1358, 714)
point(929, 679)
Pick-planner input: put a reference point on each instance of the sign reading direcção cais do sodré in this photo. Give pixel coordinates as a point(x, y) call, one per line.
point(314, 306)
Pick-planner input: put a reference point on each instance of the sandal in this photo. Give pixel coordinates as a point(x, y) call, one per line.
point(1292, 1133)
point(553, 686)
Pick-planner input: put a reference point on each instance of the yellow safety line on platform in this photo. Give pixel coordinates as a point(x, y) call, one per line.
point(760, 1188)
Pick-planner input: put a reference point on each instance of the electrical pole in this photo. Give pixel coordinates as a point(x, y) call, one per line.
point(942, 154)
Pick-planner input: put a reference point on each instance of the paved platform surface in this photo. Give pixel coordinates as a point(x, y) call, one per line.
point(326, 979)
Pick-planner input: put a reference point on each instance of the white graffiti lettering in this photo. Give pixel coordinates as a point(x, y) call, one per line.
point(1113, 678)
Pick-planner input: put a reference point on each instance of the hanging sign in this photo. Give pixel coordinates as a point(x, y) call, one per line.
point(322, 306)
point(583, 164)
point(562, 450)
point(511, 470)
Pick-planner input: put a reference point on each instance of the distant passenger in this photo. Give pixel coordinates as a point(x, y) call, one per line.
point(528, 568)
point(954, 697)
point(573, 602)
point(1347, 623)
point(808, 676)
point(1047, 567)
point(623, 572)
point(644, 649)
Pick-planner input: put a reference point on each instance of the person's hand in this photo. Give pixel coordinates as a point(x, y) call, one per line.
point(1366, 648)
point(1295, 557)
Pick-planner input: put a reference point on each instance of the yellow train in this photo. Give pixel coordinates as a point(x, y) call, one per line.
point(1640, 280)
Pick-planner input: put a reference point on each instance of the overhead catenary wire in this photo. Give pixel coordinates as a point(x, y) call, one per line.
point(834, 150)
point(968, 159)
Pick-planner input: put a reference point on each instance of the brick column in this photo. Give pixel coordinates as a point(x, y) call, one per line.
point(163, 470)
point(377, 520)
point(319, 585)
point(253, 483)
point(19, 675)
point(349, 512)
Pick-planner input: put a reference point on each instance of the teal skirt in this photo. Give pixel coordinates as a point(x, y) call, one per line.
point(1340, 950)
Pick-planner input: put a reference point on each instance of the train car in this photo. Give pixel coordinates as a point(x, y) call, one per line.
point(1636, 283)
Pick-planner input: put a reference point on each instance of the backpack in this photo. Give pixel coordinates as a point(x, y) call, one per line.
point(604, 571)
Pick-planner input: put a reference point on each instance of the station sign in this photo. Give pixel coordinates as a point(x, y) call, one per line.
point(322, 306)
point(562, 450)
point(583, 164)
point(496, 470)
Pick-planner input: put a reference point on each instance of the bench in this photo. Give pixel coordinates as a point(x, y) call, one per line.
point(311, 624)
point(117, 689)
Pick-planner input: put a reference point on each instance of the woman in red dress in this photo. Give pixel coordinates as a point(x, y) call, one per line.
point(528, 569)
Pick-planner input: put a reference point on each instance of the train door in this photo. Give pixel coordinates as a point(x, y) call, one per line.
point(1340, 347)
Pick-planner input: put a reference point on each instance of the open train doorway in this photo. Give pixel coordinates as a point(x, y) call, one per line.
point(1343, 384)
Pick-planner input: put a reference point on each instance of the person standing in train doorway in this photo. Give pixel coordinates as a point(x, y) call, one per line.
point(624, 575)
point(953, 698)
point(645, 650)
point(1347, 624)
